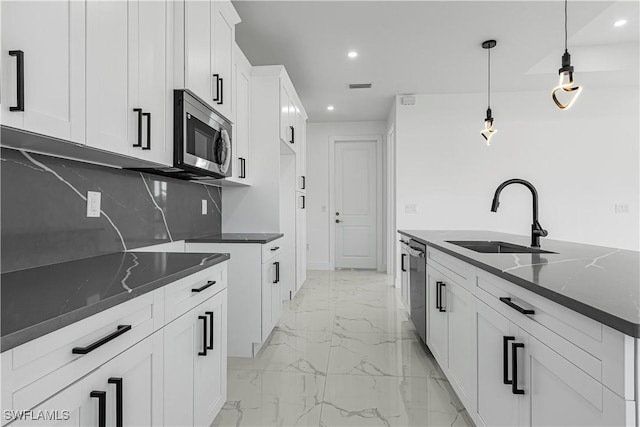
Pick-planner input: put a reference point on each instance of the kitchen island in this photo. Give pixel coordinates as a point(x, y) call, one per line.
point(542, 338)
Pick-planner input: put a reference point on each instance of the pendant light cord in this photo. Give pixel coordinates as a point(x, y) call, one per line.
point(565, 24)
point(489, 79)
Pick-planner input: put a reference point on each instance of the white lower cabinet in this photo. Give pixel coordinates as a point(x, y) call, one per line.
point(195, 364)
point(255, 299)
point(126, 366)
point(127, 388)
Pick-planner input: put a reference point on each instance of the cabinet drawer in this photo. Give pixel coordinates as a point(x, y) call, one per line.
point(602, 352)
point(36, 370)
point(271, 250)
point(184, 294)
point(463, 273)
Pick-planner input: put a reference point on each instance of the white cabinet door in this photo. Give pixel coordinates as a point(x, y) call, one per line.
point(154, 95)
point(285, 112)
point(437, 317)
point(462, 338)
point(497, 405)
point(111, 124)
point(222, 32)
point(127, 78)
point(559, 393)
point(301, 151)
point(404, 278)
point(210, 369)
point(198, 48)
point(182, 342)
point(271, 295)
point(242, 127)
point(138, 370)
point(301, 241)
point(50, 35)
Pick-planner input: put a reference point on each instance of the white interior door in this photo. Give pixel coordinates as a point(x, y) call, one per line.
point(355, 204)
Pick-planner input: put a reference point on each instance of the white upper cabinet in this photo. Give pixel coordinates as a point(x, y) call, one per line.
point(128, 99)
point(43, 73)
point(204, 37)
point(242, 128)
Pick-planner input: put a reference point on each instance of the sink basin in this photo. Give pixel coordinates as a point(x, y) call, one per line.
point(491, 247)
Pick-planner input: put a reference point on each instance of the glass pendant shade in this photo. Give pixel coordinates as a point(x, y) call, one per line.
point(488, 130)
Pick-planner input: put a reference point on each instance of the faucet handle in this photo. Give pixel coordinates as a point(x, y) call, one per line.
point(538, 230)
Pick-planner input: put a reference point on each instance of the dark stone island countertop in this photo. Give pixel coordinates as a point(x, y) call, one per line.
point(40, 300)
point(261, 238)
point(599, 282)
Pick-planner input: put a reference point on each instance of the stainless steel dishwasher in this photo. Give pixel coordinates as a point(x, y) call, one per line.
point(418, 287)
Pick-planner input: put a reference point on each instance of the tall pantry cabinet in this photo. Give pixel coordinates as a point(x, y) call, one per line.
point(276, 200)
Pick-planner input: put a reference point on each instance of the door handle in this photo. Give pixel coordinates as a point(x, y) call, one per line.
point(204, 336)
point(19, 80)
point(119, 400)
point(217, 98)
point(516, 307)
point(505, 359)
point(210, 314)
point(148, 116)
point(102, 406)
point(139, 111)
point(441, 308)
point(102, 341)
point(514, 366)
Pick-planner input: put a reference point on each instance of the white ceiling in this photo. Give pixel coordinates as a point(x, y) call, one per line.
point(432, 47)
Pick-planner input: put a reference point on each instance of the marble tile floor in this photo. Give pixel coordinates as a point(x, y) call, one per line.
point(343, 354)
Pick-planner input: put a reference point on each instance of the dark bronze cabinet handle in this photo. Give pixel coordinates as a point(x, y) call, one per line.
point(139, 111)
point(402, 257)
point(204, 336)
point(210, 314)
point(441, 308)
point(217, 77)
point(275, 248)
point(304, 182)
point(304, 202)
point(202, 288)
point(19, 80)
point(516, 307)
point(505, 359)
point(148, 116)
point(514, 366)
point(243, 170)
point(102, 406)
point(102, 341)
point(277, 266)
point(221, 89)
point(119, 400)
point(293, 135)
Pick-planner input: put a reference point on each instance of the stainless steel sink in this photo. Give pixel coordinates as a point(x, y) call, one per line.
point(491, 247)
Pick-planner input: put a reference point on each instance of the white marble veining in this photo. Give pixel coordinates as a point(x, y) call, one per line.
point(344, 353)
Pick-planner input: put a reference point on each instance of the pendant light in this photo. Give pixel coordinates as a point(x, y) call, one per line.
point(488, 130)
point(566, 83)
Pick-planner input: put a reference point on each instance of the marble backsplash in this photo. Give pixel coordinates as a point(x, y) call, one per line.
point(44, 213)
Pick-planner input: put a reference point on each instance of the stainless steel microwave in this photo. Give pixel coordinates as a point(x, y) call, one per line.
point(201, 139)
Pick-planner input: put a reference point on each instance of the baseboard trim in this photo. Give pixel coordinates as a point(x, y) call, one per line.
point(318, 266)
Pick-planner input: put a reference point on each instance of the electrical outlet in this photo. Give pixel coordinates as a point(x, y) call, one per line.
point(621, 208)
point(93, 204)
point(410, 208)
point(204, 206)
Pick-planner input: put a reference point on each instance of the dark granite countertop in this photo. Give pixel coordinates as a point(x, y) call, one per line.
point(261, 238)
point(598, 282)
point(40, 300)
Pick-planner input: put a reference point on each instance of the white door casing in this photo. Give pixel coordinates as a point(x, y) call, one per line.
point(355, 203)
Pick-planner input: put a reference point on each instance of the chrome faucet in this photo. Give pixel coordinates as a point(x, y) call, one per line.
point(536, 229)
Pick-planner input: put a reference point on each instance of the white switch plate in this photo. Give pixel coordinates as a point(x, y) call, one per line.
point(410, 208)
point(93, 204)
point(204, 206)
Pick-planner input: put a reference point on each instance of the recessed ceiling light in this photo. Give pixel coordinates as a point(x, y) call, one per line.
point(330, 108)
point(352, 54)
point(619, 22)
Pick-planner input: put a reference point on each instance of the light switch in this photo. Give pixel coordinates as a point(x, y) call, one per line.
point(204, 206)
point(93, 204)
point(410, 208)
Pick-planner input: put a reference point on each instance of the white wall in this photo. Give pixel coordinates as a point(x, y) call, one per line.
point(583, 161)
point(318, 164)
